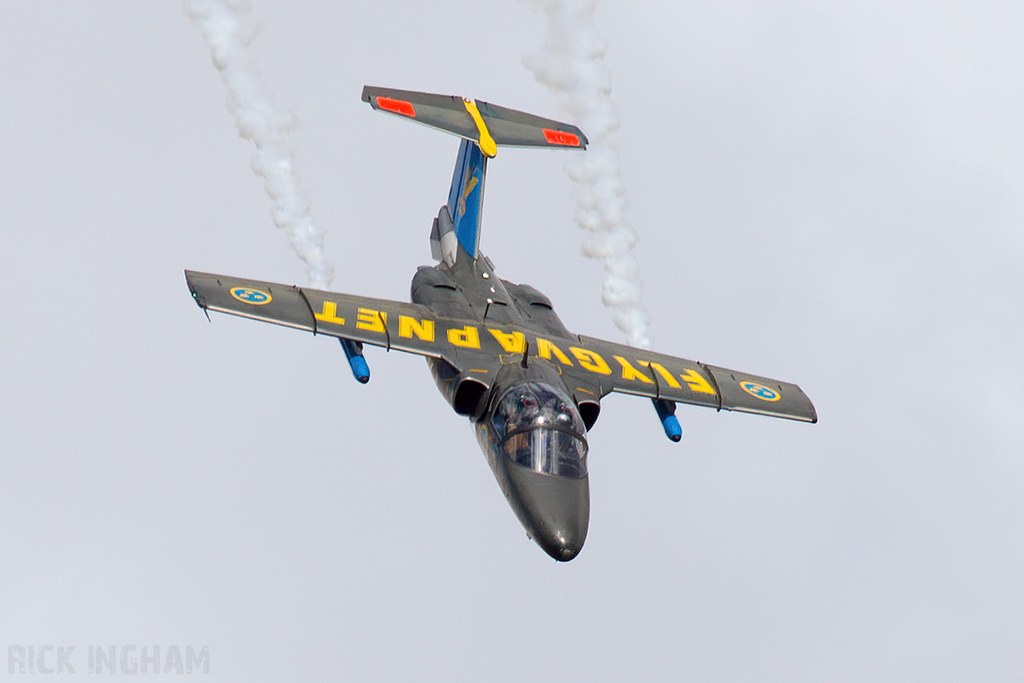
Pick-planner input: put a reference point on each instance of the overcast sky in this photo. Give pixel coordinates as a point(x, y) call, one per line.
point(827, 193)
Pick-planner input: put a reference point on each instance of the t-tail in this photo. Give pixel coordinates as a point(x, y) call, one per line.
point(483, 128)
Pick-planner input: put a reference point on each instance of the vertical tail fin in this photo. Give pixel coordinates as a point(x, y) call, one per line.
point(466, 196)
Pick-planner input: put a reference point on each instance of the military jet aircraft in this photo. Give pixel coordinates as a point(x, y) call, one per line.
point(498, 352)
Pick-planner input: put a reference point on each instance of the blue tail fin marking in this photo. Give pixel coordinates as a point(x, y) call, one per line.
point(466, 197)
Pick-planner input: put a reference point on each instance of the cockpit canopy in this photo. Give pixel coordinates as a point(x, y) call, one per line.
point(539, 427)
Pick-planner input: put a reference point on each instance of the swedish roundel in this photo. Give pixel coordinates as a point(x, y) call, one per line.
point(251, 296)
point(760, 391)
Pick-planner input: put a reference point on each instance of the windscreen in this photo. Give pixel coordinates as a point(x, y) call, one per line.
point(539, 427)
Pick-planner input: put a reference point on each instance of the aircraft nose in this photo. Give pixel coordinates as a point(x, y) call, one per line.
point(567, 551)
point(562, 539)
point(562, 522)
point(555, 510)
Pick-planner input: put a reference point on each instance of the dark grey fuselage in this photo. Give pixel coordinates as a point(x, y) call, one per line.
point(553, 507)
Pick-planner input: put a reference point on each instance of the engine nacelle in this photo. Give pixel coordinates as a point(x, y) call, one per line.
point(466, 392)
point(590, 409)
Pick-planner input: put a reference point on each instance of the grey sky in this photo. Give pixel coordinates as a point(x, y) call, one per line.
point(827, 193)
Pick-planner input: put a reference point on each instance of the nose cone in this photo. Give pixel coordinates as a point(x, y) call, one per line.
point(555, 510)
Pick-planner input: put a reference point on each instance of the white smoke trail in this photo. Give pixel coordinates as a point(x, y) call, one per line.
point(571, 64)
point(228, 31)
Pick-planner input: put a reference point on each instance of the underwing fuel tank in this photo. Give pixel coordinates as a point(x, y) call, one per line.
point(354, 354)
point(535, 442)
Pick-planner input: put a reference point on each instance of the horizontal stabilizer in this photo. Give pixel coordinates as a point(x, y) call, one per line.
point(474, 120)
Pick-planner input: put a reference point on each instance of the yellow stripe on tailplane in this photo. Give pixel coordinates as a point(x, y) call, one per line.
point(487, 144)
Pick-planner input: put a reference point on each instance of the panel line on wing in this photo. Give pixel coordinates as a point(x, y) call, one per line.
point(261, 318)
point(714, 382)
point(309, 306)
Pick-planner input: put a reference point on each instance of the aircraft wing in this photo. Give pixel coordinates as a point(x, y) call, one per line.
point(629, 370)
point(593, 363)
point(391, 324)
